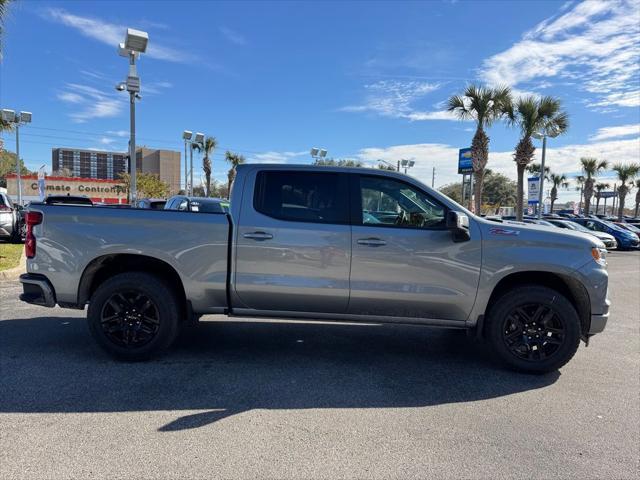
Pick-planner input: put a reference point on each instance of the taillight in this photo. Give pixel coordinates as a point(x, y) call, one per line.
point(32, 219)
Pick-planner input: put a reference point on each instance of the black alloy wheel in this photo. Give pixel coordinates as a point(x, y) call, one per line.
point(130, 319)
point(533, 332)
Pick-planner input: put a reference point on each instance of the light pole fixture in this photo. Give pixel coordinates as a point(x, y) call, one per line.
point(407, 164)
point(135, 43)
point(17, 119)
point(318, 153)
point(547, 131)
point(186, 136)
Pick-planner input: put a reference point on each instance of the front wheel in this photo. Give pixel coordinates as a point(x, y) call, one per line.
point(534, 329)
point(133, 316)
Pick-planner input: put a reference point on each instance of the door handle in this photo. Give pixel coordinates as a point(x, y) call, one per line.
point(371, 242)
point(258, 236)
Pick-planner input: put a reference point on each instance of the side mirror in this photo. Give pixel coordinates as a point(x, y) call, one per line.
point(458, 223)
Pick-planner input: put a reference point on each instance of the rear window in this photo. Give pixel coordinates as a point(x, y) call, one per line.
point(303, 196)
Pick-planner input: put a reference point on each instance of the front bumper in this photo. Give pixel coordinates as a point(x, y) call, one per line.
point(37, 290)
point(598, 322)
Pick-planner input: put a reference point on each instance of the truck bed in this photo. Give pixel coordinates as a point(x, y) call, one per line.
point(195, 245)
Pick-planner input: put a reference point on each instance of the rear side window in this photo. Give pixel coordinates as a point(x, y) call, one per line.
point(303, 196)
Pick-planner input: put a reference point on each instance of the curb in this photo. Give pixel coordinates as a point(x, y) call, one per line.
point(15, 272)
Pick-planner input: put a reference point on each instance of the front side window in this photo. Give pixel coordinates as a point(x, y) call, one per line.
point(389, 202)
point(302, 196)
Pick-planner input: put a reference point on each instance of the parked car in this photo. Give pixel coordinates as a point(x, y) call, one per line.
point(625, 238)
point(152, 203)
point(628, 226)
point(10, 220)
point(330, 243)
point(608, 240)
point(197, 204)
point(68, 200)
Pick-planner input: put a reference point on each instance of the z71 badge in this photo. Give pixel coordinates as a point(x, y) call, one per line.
point(504, 231)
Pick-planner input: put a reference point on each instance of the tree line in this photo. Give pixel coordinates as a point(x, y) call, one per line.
point(533, 116)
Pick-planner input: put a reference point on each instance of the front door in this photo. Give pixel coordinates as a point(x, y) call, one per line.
point(404, 260)
point(294, 242)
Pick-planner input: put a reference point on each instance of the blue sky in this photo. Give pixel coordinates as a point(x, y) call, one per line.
point(364, 80)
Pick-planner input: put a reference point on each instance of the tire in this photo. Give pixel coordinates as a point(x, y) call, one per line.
point(133, 316)
point(533, 329)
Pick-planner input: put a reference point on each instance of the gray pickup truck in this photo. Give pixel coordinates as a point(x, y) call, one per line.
point(324, 243)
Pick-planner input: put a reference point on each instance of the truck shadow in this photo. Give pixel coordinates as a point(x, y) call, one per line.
point(50, 364)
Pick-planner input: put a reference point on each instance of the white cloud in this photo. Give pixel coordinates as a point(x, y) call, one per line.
point(92, 102)
point(233, 36)
point(278, 157)
point(70, 97)
point(112, 34)
point(616, 132)
point(595, 43)
point(397, 99)
point(118, 133)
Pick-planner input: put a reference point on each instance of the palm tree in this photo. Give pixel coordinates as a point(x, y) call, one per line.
point(599, 188)
point(637, 198)
point(590, 167)
point(234, 159)
point(534, 168)
point(534, 115)
point(626, 172)
point(557, 181)
point(207, 147)
point(484, 105)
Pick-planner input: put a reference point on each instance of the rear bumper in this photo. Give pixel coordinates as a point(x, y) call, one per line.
point(37, 290)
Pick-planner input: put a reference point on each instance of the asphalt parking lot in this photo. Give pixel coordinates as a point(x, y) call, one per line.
point(289, 400)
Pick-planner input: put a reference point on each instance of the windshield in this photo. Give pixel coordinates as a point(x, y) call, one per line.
point(578, 227)
point(613, 226)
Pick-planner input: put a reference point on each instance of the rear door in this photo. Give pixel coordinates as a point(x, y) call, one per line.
point(293, 241)
point(404, 260)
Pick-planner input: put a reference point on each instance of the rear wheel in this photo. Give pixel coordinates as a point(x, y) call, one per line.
point(133, 316)
point(534, 329)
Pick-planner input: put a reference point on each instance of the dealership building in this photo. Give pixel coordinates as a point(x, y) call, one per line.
point(99, 190)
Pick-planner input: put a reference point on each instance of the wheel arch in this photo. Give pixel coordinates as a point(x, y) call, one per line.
point(104, 267)
point(568, 286)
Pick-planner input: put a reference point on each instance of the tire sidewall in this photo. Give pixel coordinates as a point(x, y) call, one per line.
point(544, 296)
point(159, 293)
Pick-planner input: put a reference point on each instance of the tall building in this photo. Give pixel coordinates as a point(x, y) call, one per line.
point(76, 162)
point(88, 163)
point(164, 163)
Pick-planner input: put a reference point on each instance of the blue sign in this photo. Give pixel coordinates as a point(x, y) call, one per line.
point(465, 164)
point(534, 190)
point(606, 194)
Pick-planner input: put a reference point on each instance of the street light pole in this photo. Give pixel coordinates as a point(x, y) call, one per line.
point(133, 185)
point(547, 131)
point(134, 44)
point(19, 179)
point(191, 171)
point(17, 119)
point(540, 194)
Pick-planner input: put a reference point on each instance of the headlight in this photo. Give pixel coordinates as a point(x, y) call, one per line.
point(599, 255)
